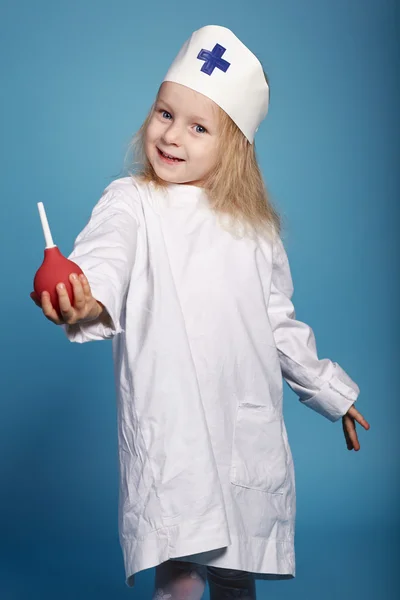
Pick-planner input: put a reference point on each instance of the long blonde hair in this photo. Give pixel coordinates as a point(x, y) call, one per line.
point(235, 186)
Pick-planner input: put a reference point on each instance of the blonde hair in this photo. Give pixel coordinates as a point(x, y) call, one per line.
point(235, 186)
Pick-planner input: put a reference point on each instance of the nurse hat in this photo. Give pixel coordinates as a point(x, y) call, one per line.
point(215, 63)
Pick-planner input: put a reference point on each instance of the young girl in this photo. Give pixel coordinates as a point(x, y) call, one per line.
point(186, 272)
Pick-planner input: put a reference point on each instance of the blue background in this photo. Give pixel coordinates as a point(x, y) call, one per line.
point(77, 79)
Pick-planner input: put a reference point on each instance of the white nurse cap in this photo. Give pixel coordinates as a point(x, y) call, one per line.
point(214, 62)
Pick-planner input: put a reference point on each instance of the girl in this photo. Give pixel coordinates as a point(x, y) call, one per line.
point(186, 272)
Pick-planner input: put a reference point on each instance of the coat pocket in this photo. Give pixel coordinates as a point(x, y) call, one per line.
point(259, 455)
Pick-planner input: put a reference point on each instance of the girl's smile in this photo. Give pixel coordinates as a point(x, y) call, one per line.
point(168, 158)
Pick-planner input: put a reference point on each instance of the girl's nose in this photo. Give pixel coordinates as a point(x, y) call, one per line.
point(172, 135)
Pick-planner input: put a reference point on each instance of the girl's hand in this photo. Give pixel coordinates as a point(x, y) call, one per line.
point(86, 308)
point(349, 427)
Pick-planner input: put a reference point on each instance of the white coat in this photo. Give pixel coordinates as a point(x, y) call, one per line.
point(203, 329)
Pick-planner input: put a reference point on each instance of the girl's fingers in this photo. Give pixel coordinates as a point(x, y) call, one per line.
point(48, 309)
point(346, 435)
point(353, 412)
point(86, 287)
point(66, 310)
point(354, 439)
point(350, 427)
point(79, 295)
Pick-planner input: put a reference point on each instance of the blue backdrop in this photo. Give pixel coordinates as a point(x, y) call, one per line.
point(77, 79)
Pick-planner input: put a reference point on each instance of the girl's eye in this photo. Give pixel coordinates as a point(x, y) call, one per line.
point(165, 114)
point(200, 127)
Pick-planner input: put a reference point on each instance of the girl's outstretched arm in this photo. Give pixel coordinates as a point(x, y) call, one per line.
point(105, 250)
point(321, 384)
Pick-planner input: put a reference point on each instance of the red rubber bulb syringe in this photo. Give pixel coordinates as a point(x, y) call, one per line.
point(55, 268)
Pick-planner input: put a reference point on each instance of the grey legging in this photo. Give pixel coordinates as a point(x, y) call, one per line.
point(180, 580)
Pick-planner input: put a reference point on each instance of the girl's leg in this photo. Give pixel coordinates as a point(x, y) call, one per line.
point(179, 580)
point(228, 584)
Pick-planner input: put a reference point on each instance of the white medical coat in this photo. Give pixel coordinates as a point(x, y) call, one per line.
point(203, 329)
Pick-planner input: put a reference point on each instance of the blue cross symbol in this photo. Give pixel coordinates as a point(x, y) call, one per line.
point(213, 59)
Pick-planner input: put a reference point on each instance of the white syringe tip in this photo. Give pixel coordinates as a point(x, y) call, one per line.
point(45, 225)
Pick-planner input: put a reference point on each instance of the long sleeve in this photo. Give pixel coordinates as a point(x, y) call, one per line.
point(105, 250)
point(321, 384)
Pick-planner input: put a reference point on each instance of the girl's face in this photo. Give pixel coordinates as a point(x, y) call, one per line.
point(184, 126)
